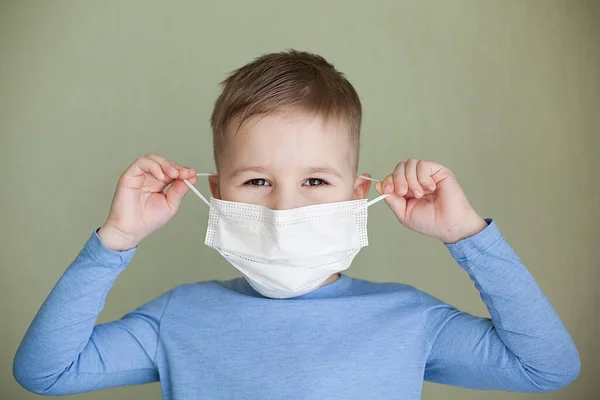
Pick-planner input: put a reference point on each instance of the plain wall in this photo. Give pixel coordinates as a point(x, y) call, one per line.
point(505, 93)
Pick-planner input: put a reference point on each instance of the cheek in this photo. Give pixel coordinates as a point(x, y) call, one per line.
point(244, 194)
point(350, 194)
point(230, 194)
point(330, 194)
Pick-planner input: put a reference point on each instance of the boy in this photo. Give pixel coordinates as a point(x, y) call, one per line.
point(287, 209)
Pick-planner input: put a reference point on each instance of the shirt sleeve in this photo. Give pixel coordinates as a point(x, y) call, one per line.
point(523, 347)
point(65, 352)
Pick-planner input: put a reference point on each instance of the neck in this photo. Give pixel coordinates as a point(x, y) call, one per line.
point(331, 279)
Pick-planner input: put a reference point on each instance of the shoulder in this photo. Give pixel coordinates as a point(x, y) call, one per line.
point(392, 290)
point(205, 292)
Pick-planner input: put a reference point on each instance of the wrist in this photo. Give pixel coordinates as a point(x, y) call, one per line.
point(469, 227)
point(116, 240)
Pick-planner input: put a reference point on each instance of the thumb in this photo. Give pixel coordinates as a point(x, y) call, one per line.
point(176, 192)
point(398, 206)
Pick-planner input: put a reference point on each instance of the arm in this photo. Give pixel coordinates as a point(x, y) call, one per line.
point(63, 352)
point(524, 347)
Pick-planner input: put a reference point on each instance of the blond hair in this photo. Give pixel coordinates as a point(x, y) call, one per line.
point(283, 81)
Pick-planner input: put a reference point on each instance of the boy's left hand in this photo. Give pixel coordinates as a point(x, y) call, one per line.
point(426, 197)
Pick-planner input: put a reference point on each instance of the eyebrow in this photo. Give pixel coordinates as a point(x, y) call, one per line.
point(239, 171)
point(325, 170)
point(263, 170)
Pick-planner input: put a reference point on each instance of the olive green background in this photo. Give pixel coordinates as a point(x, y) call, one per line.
point(505, 93)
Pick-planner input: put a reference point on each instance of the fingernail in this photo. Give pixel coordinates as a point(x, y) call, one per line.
point(173, 169)
point(431, 187)
point(387, 188)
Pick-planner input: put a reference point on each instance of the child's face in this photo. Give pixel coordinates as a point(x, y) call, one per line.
point(288, 160)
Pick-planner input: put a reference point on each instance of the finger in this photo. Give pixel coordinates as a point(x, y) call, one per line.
point(173, 169)
point(169, 168)
point(187, 173)
point(379, 187)
point(183, 171)
point(176, 192)
point(399, 177)
point(425, 175)
point(144, 165)
point(398, 206)
point(385, 186)
point(438, 172)
point(410, 170)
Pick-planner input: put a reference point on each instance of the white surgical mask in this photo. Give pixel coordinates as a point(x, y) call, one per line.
point(287, 253)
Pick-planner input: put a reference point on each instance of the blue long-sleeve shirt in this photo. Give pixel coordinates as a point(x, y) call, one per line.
point(351, 339)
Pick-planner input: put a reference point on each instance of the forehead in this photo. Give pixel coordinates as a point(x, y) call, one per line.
point(288, 139)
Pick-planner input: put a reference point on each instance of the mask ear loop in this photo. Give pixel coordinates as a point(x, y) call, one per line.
point(376, 199)
point(196, 191)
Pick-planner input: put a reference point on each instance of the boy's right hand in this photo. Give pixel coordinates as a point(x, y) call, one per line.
point(140, 206)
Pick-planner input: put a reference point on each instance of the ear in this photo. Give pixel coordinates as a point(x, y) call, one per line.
point(361, 187)
point(213, 181)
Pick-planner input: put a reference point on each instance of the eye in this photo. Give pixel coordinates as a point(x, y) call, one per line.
point(314, 182)
point(258, 182)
